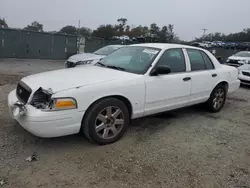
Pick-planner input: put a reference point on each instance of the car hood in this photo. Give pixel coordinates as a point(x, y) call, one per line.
point(64, 79)
point(239, 58)
point(245, 67)
point(85, 57)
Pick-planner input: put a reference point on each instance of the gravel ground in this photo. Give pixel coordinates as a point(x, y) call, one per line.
point(29, 66)
point(184, 148)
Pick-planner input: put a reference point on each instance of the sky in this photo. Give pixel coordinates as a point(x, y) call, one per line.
point(189, 17)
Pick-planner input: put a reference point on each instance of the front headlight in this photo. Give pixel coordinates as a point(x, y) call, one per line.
point(61, 104)
point(246, 61)
point(84, 62)
point(18, 110)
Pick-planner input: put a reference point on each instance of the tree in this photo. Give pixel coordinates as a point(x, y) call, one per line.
point(145, 31)
point(121, 26)
point(84, 31)
point(137, 31)
point(105, 31)
point(34, 26)
point(3, 23)
point(154, 30)
point(163, 34)
point(69, 29)
point(171, 33)
point(72, 30)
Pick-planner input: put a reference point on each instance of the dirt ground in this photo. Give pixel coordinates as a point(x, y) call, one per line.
point(184, 148)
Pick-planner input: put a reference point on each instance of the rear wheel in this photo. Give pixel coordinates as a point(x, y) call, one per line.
point(217, 98)
point(106, 121)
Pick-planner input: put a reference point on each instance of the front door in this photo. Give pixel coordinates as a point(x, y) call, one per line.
point(166, 92)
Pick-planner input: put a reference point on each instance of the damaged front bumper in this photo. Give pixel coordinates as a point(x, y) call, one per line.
point(42, 123)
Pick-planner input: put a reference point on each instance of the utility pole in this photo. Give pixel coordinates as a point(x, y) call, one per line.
point(79, 38)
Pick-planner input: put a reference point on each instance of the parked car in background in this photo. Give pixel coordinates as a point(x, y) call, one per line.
point(91, 58)
point(200, 44)
point(208, 44)
point(244, 74)
point(132, 82)
point(239, 59)
point(243, 46)
point(124, 37)
point(218, 44)
point(229, 45)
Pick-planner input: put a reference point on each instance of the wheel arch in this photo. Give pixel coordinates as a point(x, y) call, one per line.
point(124, 99)
point(224, 83)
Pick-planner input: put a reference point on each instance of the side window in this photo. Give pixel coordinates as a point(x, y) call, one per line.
point(209, 64)
point(173, 58)
point(196, 60)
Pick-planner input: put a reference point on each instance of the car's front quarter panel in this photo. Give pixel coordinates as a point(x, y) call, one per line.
point(131, 89)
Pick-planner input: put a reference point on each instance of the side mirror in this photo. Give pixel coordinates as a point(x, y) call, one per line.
point(161, 69)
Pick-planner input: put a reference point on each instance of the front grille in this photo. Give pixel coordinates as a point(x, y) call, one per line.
point(23, 92)
point(246, 73)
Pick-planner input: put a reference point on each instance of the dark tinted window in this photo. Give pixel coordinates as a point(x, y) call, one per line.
point(208, 62)
point(196, 60)
point(173, 58)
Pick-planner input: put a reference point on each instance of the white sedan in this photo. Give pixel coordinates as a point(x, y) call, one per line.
point(244, 74)
point(91, 58)
point(239, 59)
point(132, 82)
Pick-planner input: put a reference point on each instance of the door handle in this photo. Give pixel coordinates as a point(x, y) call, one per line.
point(186, 78)
point(214, 75)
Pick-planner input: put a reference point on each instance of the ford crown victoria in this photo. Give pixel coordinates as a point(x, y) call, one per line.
point(132, 82)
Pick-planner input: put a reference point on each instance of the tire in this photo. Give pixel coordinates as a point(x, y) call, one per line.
point(102, 124)
point(217, 99)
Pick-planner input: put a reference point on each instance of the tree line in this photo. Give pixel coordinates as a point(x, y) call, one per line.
point(243, 36)
point(162, 34)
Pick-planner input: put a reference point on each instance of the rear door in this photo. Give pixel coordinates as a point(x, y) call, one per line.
point(203, 75)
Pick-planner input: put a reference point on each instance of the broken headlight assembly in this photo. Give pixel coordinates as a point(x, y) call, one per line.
point(62, 104)
point(42, 99)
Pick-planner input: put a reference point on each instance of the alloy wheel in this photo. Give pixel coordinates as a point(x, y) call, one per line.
point(109, 122)
point(219, 98)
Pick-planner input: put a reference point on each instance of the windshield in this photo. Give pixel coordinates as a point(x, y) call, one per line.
point(106, 50)
point(243, 54)
point(134, 59)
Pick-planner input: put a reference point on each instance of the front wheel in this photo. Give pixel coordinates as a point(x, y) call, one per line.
point(106, 121)
point(217, 99)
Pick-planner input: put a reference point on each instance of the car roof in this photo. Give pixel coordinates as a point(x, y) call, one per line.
point(165, 45)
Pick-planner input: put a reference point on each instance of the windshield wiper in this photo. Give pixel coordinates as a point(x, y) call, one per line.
point(116, 67)
point(100, 63)
point(110, 66)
